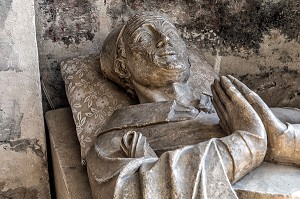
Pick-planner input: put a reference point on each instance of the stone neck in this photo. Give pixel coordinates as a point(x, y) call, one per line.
point(181, 92)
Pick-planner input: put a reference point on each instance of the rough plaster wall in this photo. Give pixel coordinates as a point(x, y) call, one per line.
point(23, 167)
point(65, 28)
point(256, 40)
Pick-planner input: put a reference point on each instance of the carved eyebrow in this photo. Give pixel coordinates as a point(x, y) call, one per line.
point(150, 27)
point(162, 26)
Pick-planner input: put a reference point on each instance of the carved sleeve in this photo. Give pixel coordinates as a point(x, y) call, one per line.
point(285, 147)
point(241, 152)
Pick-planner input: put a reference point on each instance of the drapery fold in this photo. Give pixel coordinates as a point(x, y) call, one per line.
point(197, 171)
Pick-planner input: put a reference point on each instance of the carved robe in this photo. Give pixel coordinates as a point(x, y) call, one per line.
point(163, 150)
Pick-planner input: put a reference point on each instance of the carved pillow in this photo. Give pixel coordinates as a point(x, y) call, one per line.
point(92, 98)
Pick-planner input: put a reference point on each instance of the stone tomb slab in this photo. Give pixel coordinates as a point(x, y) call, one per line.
point(71, 181)
point(270, 181)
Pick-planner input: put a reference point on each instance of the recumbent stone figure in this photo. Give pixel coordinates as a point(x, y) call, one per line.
point(172, 145)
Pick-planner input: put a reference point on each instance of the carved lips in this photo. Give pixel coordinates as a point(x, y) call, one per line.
point(170, 60)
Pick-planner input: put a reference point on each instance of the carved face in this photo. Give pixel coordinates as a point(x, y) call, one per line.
point(156, 55)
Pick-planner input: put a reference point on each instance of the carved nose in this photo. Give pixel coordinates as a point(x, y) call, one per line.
point(164, 40)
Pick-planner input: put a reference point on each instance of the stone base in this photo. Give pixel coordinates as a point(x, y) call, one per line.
point(270, 181)
point(71, 181)
point(266, 182)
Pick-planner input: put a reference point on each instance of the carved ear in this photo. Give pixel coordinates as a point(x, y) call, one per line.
point(119, 66)
point(121, 70)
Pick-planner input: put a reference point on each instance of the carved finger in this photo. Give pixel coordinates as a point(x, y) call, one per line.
point(225, 127)
point(217, 102)
point(220, 108)
point(230, 90)
point(250, 95)
point(239, 85)
point(258, 104)
point(223, 120)
point(223, 116)
point(224, 98)
point(267, 116)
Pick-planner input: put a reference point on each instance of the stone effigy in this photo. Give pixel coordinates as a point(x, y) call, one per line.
point(172, 144)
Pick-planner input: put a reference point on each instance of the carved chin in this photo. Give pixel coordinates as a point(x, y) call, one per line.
point(173, 70)
point(175, 75)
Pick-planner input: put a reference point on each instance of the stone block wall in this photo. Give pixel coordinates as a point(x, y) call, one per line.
point(255, 40)
point(23, 162)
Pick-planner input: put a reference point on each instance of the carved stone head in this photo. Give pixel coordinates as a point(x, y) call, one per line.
point(147, 50)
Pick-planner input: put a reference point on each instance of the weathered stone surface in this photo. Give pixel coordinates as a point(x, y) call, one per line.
point(270, 181)
point(265, 182)
point(23, 165)
point(71, 179)
point(65, 29)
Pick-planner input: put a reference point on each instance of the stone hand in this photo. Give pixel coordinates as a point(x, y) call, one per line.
point(272, 124)
point(281, 143)
point(233, 109)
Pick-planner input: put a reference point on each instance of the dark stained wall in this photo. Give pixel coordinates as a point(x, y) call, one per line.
point(250, 39)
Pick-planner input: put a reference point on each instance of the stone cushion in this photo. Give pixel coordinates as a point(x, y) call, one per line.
point(92, 98)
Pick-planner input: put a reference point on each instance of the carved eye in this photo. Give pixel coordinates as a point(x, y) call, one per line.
point(144, 38)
